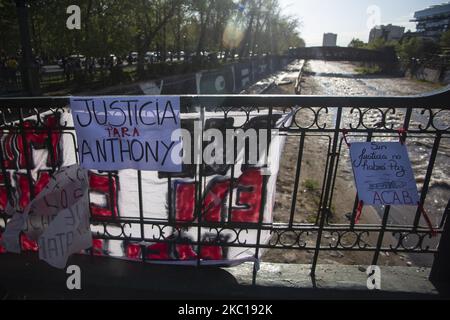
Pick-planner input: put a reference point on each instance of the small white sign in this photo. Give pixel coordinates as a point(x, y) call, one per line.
point(126, 132)
point(383, 173)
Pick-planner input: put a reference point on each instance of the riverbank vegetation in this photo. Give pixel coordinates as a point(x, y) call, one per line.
point(413, 51)
point(369, 70)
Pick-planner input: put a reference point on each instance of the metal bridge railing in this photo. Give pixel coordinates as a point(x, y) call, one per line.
point(30, 124)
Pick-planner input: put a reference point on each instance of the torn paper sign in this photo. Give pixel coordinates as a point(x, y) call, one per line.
point(68, 233)
point(58, 218)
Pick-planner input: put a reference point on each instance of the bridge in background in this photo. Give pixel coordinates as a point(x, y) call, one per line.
point(345, 54)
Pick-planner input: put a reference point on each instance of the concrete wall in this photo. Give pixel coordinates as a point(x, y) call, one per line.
point(431, 75)
point(232, 78)
point(445, 77)
point(428, 74)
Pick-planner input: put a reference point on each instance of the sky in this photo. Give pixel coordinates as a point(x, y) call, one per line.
point(350, 18)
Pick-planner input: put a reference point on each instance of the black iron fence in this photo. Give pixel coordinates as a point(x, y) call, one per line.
point(30, 124)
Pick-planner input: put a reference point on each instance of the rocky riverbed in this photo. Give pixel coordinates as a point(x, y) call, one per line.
point(341, 78)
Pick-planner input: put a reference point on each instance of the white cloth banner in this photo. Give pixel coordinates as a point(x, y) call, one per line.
point(127, 194)
point(58, 218)
point(117, 133)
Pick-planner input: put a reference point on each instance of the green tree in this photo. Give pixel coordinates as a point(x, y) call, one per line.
point(121, 26)
point(356, 43)
point(151, 17)
point(9, 31)
point(445, 40)
point(416, 50)
point(377, 44)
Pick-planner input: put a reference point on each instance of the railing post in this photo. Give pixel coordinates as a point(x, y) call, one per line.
point(326, 203)
point(28, 71)
point(440, 272)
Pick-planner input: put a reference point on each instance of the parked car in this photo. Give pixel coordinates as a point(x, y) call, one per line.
point(78, 57)
point(150, 57)
point(221, 55)
point(113, 59)
point(134, 56)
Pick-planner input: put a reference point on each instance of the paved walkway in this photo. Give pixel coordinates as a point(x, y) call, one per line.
point(25, 277)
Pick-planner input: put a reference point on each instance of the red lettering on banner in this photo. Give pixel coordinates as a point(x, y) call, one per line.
point(133, 251)
point(248, 199)
point(39, 140)
point(246, 209)
point(159, 251)
point(23, 186)
point(212, 209)
point(27, 244)
point(97, 247)
point(185, 252)
point(14, 153)
point(9, 156)
point(2, 249)
point(211, 252)
point(3, 193)
point(15, 156)
point(184, 201)
point(249, 187)
point(116, 133)
point(214, 199)
point(107, 185)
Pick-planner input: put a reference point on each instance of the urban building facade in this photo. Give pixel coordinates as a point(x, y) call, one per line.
point(433, 21)
point(329, 40)
point(388, 33)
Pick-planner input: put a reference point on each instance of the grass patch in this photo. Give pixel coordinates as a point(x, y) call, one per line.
point(435, 85)
point(311, 218)
point(369, 70)
point(311, 185)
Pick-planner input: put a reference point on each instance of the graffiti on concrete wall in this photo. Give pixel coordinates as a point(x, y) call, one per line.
point(232, 78)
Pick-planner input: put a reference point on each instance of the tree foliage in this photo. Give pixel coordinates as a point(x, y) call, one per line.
point(356, 43)
point(121, 26)
point(445, 40)
point(410, 49)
